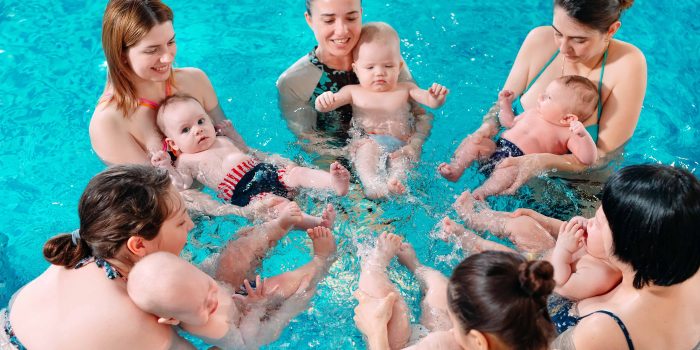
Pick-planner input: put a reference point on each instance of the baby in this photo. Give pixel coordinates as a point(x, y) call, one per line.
point(179, 293)
point(381, 109)
point(555, 126)
point(238, 177)
point(581, 266)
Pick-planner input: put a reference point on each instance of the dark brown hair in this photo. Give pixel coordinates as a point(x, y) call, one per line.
point(124, 24)
point(120, 202)
point(597, 14)
point(505, 295)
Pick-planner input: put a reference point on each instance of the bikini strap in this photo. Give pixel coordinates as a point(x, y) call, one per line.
point(541, 71)
point(110, 271)
point(600, 85)
point(619, 322)
point(168, 89)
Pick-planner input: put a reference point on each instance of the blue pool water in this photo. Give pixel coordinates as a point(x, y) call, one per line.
point(52, 71)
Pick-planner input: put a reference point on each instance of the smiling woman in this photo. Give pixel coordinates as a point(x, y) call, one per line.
point(138, 39)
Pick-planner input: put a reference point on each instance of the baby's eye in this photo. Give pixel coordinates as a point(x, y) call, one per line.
point(200, 121)
point(389, 66)
point(185, 130)
point(370, 67)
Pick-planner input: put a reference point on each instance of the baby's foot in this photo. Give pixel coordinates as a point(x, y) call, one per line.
point(290, 216)
point(388, 245)
point(395, 186)
point(450, 172)
point(328, 217)
point(451, 228)
point(464, 206)
point(323, 242)
point(407, 256)
point(340, 179)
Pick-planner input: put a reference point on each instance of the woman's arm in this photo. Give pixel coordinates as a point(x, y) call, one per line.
point(112, 142)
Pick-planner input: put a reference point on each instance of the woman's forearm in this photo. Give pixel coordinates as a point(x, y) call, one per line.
point(378, 340)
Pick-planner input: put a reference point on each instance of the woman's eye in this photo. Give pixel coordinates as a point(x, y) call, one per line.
point(171, 42)
point(150, 52)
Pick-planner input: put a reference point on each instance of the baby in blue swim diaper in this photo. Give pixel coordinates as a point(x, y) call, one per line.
point(180, 294)
point(380, 110)
point(554, 126)
point(238, 177)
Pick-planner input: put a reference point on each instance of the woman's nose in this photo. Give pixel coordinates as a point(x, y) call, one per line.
point(341, 27)
point(167, 57)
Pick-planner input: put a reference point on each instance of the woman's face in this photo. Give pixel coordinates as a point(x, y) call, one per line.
point(336, 25)
point(577, 42)
point(599, 236)
point(173, 232)
point(151, 58)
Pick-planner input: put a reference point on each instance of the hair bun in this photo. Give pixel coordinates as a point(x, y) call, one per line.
point(536, 277)
point(625, 4)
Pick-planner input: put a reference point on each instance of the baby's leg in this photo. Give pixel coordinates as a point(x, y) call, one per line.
point(473, 147)
point(375, 283)
point(323, 257)
point(434, 314)
point(499, 181)
point(469, 241)
point(366, 162)
point(337, 178)
point(326, 219)
point(398, 169)
point(242, 256)
point(525, 232)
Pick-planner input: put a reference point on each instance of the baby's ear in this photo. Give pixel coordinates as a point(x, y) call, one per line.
point(569, 118)
point(171, 144)
point(353, 66)
point(171, 321)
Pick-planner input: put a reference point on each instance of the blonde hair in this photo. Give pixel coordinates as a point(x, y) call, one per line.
point(586, 95)
point(124, 24)
point(377, 32)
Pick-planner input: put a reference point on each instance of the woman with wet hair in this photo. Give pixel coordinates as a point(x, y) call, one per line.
point(336, 24)
point(580, 41)
point(80, 301)
point(495, 300)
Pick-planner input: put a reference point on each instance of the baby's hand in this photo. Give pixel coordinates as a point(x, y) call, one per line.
point(407, 151)
point(571, 236)
point(438, 92)
point(258, 294)
point(325, 101)
point(577, 128)
point(224, 128)
point(506, 96)
point(161, 159)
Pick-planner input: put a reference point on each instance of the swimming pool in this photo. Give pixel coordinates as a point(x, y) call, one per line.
point(52, 75)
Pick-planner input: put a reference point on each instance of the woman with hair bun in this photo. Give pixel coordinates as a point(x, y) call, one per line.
point(580, 41)
point(494, 300)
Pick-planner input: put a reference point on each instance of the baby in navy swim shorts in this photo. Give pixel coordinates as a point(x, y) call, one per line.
point(238, 177)
point(178, 293)
point(555, 126)
point(381, 115)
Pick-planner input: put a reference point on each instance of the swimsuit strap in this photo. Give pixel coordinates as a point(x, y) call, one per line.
point(600, 85)
point(168, 89)
point(110, 271)
point(10, 333)
point(541, 71)
point(619, 322)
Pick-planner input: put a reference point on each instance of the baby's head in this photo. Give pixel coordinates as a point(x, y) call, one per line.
point(377, 57)
point(567, 97)
point(174, 290)
point(500, 298)
point(185, 124)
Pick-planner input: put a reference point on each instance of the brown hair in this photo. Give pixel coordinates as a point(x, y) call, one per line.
point(505, 295)
point(309, 2)
point(124, 24)
point(378, 32)
point(172, 99)
point(120, 202)
point(586, 94)
point(597, 14)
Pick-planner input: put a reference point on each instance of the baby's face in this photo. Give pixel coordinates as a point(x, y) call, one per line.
point(378, 67)
point(555, 102)
point(599, 236)
point(199, 302)
point(188, 127)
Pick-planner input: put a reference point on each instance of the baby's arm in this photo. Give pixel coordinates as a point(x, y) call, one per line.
point(505, 101)
point(434, 97)
point(179, 177)
point(581, 144)
point(329, 101)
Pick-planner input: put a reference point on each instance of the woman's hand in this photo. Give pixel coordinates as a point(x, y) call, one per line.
point(524, 167)
point(373, 314)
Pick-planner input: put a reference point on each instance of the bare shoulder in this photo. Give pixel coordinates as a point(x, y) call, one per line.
point(542, 37)
point(106, 119)
point(598, 331)
point(190, 75)
point(628, 57)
